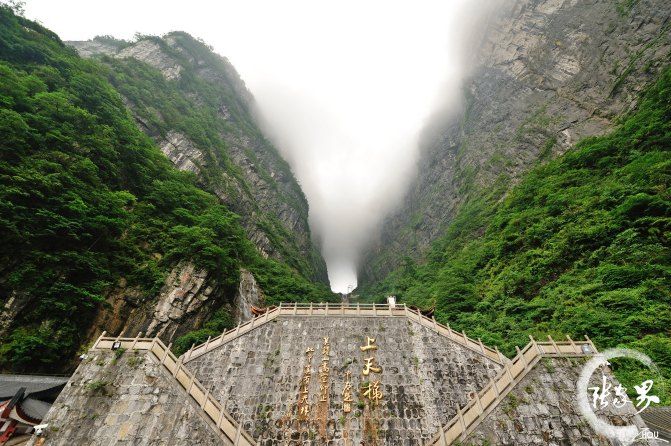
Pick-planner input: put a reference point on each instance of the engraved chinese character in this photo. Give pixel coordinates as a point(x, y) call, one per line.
point(369, 344)
point(347, 393)
point(370, 366)
point(372, 391)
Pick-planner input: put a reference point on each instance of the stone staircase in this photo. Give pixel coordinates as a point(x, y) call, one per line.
point(469, 417)
point(229, 429)
point(348, 310)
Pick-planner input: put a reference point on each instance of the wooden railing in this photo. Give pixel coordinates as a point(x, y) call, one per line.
point(469, 417)
point(357, 310)
point(230, 429)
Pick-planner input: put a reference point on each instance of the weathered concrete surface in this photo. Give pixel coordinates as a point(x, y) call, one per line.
point(542, 409)
point(424, 377)
point(130, 400)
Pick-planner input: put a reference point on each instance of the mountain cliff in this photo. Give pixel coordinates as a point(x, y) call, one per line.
point(193, 103)
point(99, 228)
point(543, 207)
point(546, 74)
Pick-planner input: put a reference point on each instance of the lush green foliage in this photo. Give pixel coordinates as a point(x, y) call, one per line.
point(192, 105)
point(221, 320)
point(580, 246)
point(86, 199)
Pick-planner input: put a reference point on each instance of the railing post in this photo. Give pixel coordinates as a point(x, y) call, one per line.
point(591, 344)
point(435, 324)
point(190, 352)
point(449, 331)
point(465, 338)
point(405, 310)
point(237, 329)
point(222, 413)
point(326, 309)
point(524, 360)
point(179, 366)
point(461, 419)
point(102, 335)
point(295, 308)
point(374, 310)
point(193, 378)
point(502, 358)
point(482, 347)
point(132, 346)
point(267, 315)
point(165, 353)
point(443, 441)
point(573, 346)
point(310, 308)
point(207, 343)
point(477, 398)
point(554, 344)
point(535, 344)
point(237, 434)
point(358, 309)
point(510, 373)
point(496, 387)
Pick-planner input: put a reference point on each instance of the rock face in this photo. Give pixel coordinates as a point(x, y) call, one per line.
point(214, 135)
point(184, 302)
point(248, 294)
point(150, 52)
point(547, 73)
point(182, 152)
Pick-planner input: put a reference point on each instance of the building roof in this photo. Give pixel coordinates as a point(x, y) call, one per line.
point(658, 419)
point(35, 385)
point(35, 408)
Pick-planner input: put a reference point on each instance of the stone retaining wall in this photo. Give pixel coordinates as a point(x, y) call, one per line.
point(424, 377)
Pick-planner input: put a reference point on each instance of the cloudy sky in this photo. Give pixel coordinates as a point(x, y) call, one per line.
point(343, 86)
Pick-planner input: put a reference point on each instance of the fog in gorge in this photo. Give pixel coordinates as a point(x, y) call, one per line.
point(344, 89)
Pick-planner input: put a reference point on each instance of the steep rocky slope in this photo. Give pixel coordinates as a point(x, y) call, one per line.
point(193, 103)
point(548, 73)
point(98, 229)
point(569, 239)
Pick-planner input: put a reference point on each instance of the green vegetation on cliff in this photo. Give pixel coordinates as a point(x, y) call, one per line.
point(86, 199)
point(208, 105)
point(580, 246)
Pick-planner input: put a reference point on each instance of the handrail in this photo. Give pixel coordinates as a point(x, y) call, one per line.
point(470, 416)
point(211, 407)
point(346, 310)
